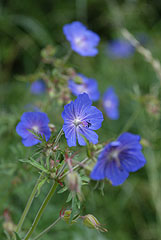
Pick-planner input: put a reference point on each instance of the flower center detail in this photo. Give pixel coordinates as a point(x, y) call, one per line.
point(77, 122)
point(108, 103)
point(80, 41)
point(35, 128)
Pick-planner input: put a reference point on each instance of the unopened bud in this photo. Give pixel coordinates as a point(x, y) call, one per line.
point(77, 79)
point(49, 51)
point(52, 127)
point(10, 227)
point(66, 217)
point(73, 181)
point(145, 142)
point(152, 105)
point(91, 222)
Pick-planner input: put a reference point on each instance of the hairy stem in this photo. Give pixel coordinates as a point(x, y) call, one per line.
point(41, 210)
point(144, 52)
point(28, 205)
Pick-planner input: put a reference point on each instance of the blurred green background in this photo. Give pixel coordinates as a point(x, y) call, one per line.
point(133, 210)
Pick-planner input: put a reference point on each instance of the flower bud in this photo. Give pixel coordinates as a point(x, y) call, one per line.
point(91, 222)
point(73, 182)
point(66, 216)
point(152, 105)
point(47, 52)
point(52, 127)
point(9, 226)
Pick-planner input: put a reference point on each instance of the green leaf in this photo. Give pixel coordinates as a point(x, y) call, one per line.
point(7, 235)
point(17, 236)
point(69, 197)
point(35, 164)
point(42, 182)
point(74, 207)
point(63, 190)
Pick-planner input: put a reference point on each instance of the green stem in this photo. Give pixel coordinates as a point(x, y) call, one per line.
point(28, 205)
point(41, 210)
point(47, 229)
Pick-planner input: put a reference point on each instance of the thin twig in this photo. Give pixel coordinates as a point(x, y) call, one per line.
point(144, 52)
point(47, 229)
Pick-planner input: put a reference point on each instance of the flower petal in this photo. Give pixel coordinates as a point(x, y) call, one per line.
point(98, 172)
point(22, 130)
point(68, 114)
point(95, 117)
point(81, 140)
point(89, 134)
point(132, 161)
point(117, 175)
point(81, 105)
point(30, 141)
point(70, 134)
point(130, 141)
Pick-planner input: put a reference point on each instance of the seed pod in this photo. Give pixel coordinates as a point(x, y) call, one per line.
point(91, 222)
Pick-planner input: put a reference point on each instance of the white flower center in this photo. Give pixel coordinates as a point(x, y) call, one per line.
point(77, 121)
point(114, 154)
point(108, 103)
point(79, 41)
point(36, 129)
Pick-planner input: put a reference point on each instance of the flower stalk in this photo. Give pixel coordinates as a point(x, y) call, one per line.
point(41, 210)
point(48, 228)
point(28, 205)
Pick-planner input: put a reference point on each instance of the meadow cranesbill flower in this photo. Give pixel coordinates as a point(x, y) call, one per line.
point(38, 87)
point(118, 158)
point(80, 118)
point(88, 85)
point(36, 121)
point(111, 103)
point(120, 48)
point(82, 40)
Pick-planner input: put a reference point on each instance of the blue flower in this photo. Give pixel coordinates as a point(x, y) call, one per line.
point(120, 48)
point(80, 118)
point(82, 40)
point(88, 86)
point(118, 158)
point(36, 121)
point(111, 103)
point(38, 87)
